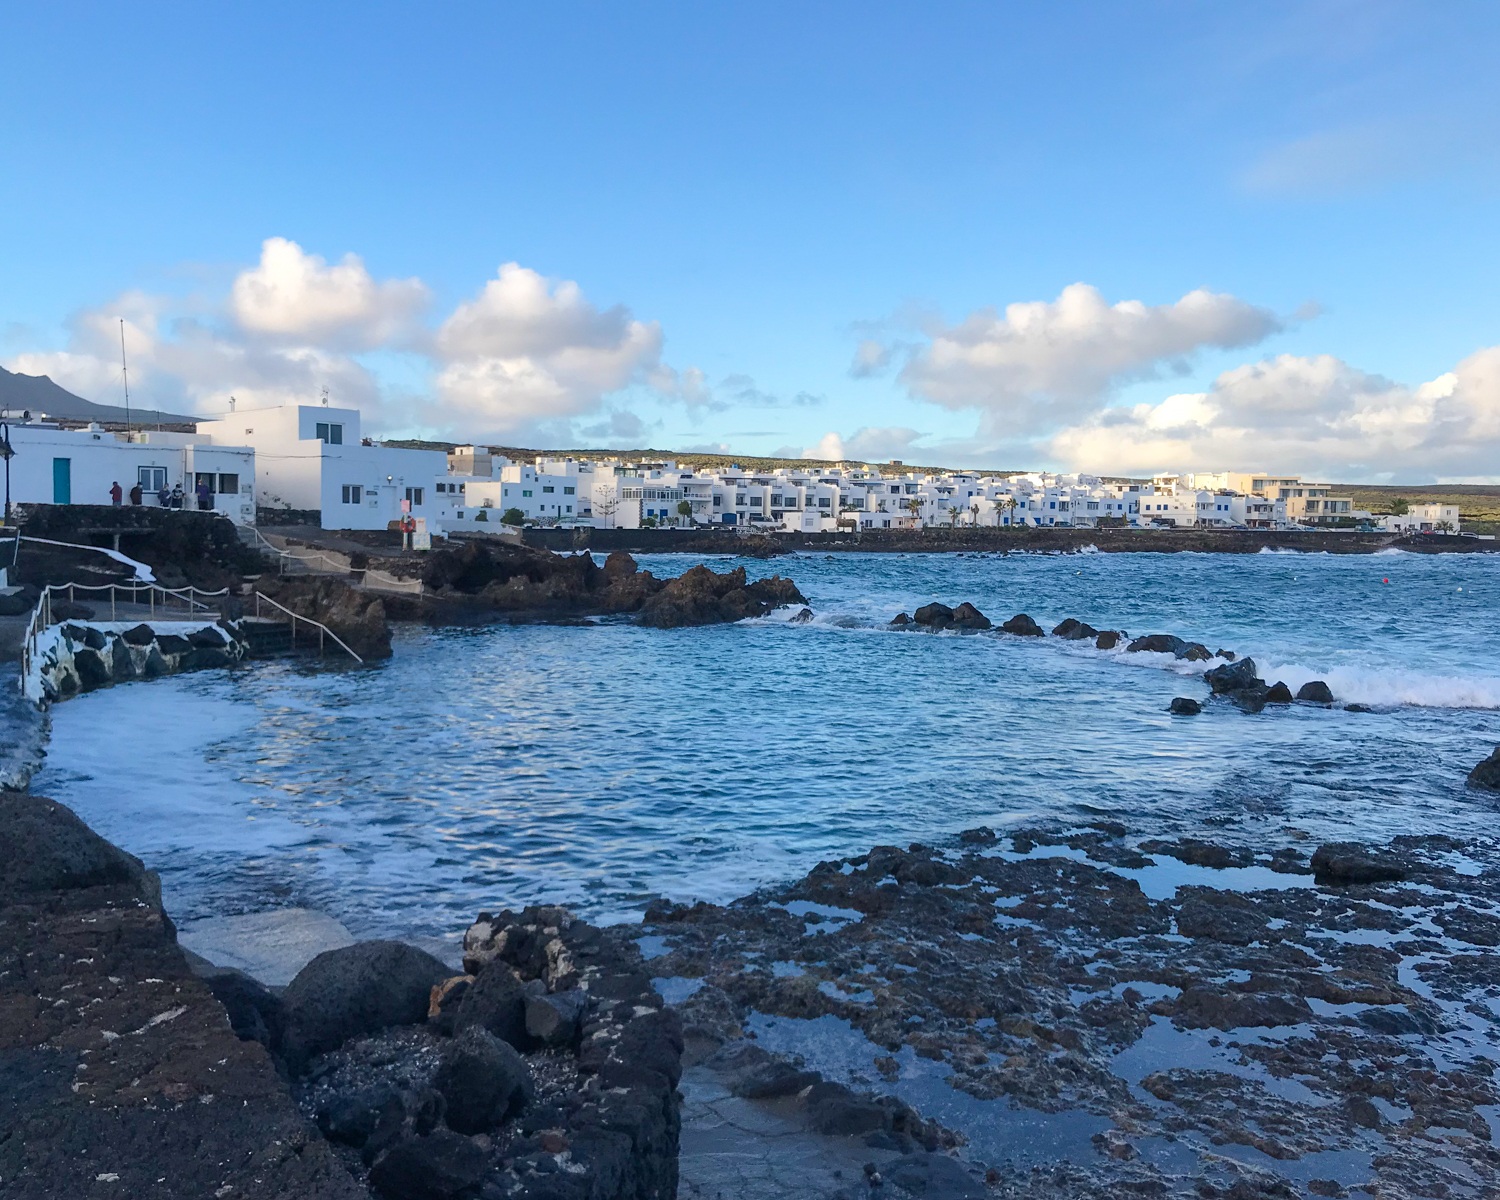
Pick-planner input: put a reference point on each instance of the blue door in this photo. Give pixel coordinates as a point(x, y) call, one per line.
point(62, 481)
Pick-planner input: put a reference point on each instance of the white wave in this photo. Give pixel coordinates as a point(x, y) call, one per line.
point(1392, 552)
point(1292, 550)
point(1388, 687)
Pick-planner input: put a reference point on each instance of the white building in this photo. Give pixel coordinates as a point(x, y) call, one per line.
point(1423, 518)
point(52, 465)
point(312, 457)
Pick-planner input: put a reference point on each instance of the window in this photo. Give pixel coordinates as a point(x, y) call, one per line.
point(548, 488)
point(332, 434)
point(229, 484)
point(151, 479)
point(567, 491)
point(415, 496)
point(526, 491)
point(570, 508)
point(353, 493)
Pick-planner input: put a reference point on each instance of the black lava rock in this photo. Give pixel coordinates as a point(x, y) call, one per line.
point(1073, 630)
point(1342, 863)
point(495, 1001)
point(1486, 774)
point(1232, 677)
point(356, 990)
point(1278, 693)
point(1108, 639)
point(1315, 692)
point(553, 1020)
point(935, 616)
point(483, 1080)
point(1184, 706)
point(170, 643)
point(434, 1167)
point(1023, 626)
point(1158, 643)
point(140, 635)
point(93, 671)
point(966, 616)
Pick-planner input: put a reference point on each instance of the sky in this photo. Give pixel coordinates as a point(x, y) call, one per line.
point(1117, 237)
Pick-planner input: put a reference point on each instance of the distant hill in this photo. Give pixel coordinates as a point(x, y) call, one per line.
point(38, 394)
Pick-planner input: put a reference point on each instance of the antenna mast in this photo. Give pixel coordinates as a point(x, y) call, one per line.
point(125, 376)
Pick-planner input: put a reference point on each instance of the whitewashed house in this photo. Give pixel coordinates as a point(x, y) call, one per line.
point(312, 457)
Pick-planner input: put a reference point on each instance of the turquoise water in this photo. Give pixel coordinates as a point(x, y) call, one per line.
point(601, 766)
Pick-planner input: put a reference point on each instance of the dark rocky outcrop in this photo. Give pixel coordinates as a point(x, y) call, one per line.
point(356, 617)
point(1486, 773)
point(1343, 863)
point(966, 616)
point(1315, 692)
point(1278, 693)
point(495, 1003)
point(88, 658)
point(1232, 677)
point(933, 616)
point(1073, 630)
point(700, 597)
point(1108, 639)
point(1184, 706)
point(482, 1079)
point(431, 1167)
point(1157, 643)
point(128, 1076)
point(356, 990)
point(1023, 626)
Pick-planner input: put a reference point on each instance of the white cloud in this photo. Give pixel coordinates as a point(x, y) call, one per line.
point(863, 445)
point(528, 349)
point(1317, 416)
point(1042, 363)
point(297, 297)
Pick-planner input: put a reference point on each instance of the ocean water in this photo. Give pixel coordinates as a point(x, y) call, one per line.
point(602, 766)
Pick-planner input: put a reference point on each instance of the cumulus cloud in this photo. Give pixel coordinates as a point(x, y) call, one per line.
point(527, 356)
point(299, 297)
point(1317, 416)
point(1042, 362)
point(863, 445)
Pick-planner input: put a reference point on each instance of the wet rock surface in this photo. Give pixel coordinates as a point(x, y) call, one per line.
point(556, 1079)
point(119, 1072)
point(1078, 1013)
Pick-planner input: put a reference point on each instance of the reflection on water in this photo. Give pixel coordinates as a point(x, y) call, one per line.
point(601, 766)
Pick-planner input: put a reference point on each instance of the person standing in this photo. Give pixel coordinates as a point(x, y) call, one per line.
point(163, 496)
point(205, 495)
point(115, 494)
point(176, 495)
point(135, 494)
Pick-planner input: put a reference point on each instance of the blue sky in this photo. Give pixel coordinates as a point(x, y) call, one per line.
point(779, 227)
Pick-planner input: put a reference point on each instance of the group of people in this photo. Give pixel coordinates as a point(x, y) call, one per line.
point(164, 498)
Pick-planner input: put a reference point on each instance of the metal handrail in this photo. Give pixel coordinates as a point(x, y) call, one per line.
point(283, 554)
point(322, 629)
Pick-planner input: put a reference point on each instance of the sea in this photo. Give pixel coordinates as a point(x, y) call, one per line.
point(603, 765)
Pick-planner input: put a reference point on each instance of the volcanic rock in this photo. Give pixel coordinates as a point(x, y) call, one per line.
point(1342, 863)
point(937, 616)
point(434, 1167)
point(483, 1080)
point(966, 616)
point(1158, 643)
point(1315, 692)
point(1195, 652)
point(1073, 630)
point(901, 619)
point(553, 1019)
point(1232, 677)
point(495, 1002)
point(93, 671)
point(1486, 774)
point(356, 990)
point(1184, 706)
point(801, 618)
point(1023, 626)
point(139, 635)
point(1278, 693)
point(1108, 639)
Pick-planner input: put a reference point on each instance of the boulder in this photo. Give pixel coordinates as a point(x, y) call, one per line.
point(619, 565)
point(980, 835)
point(966, 616)
point(198, 660)
point(1157, 643)
point(444, 1000)
point(835, 1110)
point(19, 601)
point(1358, 708)
point(901, 619)
point(1023, 626)
point(1486, 774)
point(1074, 630)
point(434, 1167)
point(209, 638)
point(62, 853)
point(65, 610)
point(1251, 699)
point(1278, 693)
point(121, 661)
point(495, 1002)
point(1339, 864)
point(155, 665)
point(139, 635)
point(1315, 692)
point(1232, 677)
point(1108, 639)
point(1184, 706)
point(350, 1118)
point(256, 1014)
point(554, 1019)
point(1195, 652)
point(171, 643)
point(700, 597)
point(92, 668)
point(483, 1081)
point(357, 990)
point(937, 616)
point(1226, 655)
point(801, 618)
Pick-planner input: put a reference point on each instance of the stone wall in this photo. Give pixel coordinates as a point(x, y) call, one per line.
point(72, 657)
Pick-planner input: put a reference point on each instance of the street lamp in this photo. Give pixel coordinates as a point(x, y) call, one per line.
point(7, 454)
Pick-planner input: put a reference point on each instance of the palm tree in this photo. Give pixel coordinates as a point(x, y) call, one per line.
point(974, 515)
point(914, 506)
